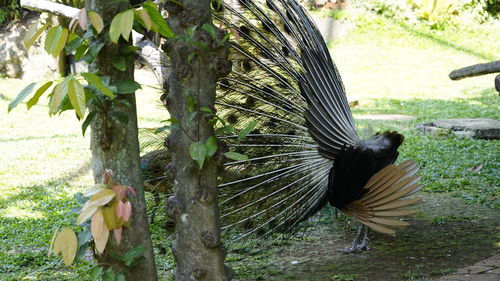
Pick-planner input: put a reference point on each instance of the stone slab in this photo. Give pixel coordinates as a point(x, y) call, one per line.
point(485, 270)
point(481, 128)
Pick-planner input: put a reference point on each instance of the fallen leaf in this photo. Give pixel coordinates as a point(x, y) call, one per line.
point(476, 168)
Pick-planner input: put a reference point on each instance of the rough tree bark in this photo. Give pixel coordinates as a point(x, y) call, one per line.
point(195, 70)
point(475, 70)
point(115, 146)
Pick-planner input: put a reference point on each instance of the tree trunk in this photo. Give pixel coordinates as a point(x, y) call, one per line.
point(195, 70)
point(115, 146)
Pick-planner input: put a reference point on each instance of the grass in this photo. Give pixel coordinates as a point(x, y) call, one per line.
point(390, 66)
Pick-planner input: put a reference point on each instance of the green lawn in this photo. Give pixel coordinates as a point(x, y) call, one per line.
point(389, 66)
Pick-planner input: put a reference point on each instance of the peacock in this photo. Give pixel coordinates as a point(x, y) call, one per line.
point(303, 149)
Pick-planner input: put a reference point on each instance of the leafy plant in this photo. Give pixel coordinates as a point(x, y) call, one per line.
point(9, 9)
point(86, 90)
point(108, 209)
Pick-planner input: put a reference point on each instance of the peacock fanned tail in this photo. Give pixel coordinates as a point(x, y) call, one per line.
point(284, 78)
point(304, 151)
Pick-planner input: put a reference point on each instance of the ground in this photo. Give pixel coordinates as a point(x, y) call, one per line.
point(446, 236)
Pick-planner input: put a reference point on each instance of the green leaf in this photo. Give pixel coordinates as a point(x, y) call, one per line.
point(38, 94)
point(115, 29)
point(120, 277)
point(211, 146)
point(249, 128)
point(127, 21)
point(55, 40)
point(189, 118)
point(76, 96)
point(80, 51)
point(108, 275)
point(73, 44)
point(206, 109)
point(127, 87)
point(119, 63)
point(84, 236)
point(158, 19)
point(128, 50)
point(58, 94)
point(191, 104)
point(33, 33)
point(131, 255)
point(210, 29)
point(95, 272)
point(93, 51)
point(95, 81)
point(120, 116)
point(143, 18)
point(200, 45)
point(21, 96)
point(236, 156)
point(87, 121)
point(198, 152)
point(96, 21)
point(225, 129)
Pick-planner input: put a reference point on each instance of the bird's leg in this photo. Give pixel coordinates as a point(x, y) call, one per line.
point(357, 244)
point(363, 246)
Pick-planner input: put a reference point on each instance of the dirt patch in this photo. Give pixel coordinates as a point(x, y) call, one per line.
point(448, 235)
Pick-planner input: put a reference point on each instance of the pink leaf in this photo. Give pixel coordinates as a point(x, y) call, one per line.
point(132, 190)
point(118, 235)
point(127, 211)
point(106, 176)
point(120, 209)
point(120, 192)
point(82, 19)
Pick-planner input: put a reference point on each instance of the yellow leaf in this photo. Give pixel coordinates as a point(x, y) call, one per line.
point(102, 197)
point(59, 93)
point(114, 28)
point(52, 242)
point(76, 96)
point(33, 34)
point(68, 244)
point(96, 21)
point(57, 245)
point(126, 23)
point(87, 211)
point(99, 231)
point(144, 17)
point(110, 217)
point(94, 190)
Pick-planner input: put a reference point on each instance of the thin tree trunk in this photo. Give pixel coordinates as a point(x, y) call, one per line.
point(115, 146)
point(197, 247)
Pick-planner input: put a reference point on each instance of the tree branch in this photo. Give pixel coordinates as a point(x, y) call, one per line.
point(475, 70)
point(50, 7)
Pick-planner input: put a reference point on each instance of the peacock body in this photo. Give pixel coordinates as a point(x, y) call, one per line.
point(304, 151)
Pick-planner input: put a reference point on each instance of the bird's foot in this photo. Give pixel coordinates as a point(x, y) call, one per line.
point(355, 248)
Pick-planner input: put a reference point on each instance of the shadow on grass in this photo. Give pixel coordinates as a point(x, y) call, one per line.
point(40, 191)
point(482, 104)
point(38, 137)
point(439, 41)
